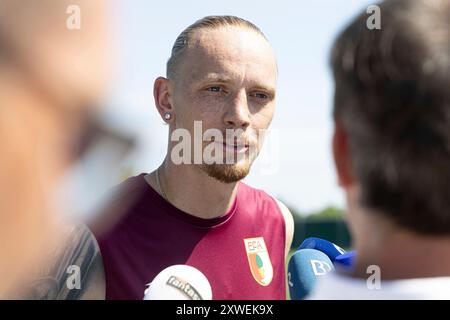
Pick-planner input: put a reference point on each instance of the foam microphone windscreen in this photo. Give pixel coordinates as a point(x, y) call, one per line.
point(305, 267)
point(179, 282)
point(327, 247)
point(345, 260)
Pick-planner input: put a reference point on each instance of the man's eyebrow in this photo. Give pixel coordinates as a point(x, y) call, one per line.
point(221, 78)
point(269, 89)
point(215, 77)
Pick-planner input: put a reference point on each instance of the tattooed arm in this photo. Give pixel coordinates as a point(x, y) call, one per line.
point(75, 271)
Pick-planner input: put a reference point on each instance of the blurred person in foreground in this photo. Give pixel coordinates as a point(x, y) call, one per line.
point(50, 76)
point(392, 152)
point(223, 74)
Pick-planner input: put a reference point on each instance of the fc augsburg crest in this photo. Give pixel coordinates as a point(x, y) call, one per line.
point(259, 260)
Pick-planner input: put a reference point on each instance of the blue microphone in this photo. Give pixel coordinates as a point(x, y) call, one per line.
point(327, 247)
point(345, 260)
point(305, 267)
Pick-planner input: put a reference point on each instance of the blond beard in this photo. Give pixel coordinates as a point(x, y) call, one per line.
point(232, 171)
point(227, 173)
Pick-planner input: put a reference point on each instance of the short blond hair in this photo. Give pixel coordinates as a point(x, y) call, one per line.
point(209, 22)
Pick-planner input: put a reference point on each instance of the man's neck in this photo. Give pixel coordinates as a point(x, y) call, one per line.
point(404, 255)
point(191, 190)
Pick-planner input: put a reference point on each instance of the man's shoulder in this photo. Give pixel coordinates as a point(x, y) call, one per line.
point(81, 254)
point(264, 202)
point(269, 207)
point(116, 203)
point(126, 189)
point(255, 193)
point(260, 195)
point(340, 286)
point(72, 270)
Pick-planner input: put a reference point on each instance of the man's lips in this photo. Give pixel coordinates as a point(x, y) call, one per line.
point(238, 148)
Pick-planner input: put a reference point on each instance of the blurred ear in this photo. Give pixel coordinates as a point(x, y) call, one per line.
point(342, 156)
point(163, 99)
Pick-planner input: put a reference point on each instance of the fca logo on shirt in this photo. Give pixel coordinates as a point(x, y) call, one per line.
point(259, 260)
point(320, 268)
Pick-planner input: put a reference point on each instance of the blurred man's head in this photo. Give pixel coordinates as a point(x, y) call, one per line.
point(392, 114)
point(61, 45)
point(50, 76)
point(223, 73)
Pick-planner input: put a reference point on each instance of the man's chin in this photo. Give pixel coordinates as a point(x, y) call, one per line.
point(227, 173)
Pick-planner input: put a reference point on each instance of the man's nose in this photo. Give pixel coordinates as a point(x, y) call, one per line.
point(238, 113)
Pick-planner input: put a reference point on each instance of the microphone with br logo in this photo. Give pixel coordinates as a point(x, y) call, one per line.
point(314, 258)
point(337, 255)
point(305, 267)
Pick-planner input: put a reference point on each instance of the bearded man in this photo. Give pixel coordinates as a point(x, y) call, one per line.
point(194, 209)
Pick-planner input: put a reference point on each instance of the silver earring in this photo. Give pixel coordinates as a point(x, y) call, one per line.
point(167, 116)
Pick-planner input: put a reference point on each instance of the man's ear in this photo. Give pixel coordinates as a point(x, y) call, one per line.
point(163, 99)
point(342, 156)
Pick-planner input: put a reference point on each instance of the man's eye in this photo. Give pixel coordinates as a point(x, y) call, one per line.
point(260, 95)
point(215, 89)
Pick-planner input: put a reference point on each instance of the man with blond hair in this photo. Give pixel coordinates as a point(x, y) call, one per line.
point(194, 209)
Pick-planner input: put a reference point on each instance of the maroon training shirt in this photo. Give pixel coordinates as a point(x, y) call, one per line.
point(241, 253)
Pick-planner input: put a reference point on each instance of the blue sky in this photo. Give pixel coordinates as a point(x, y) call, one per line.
point(301, 32)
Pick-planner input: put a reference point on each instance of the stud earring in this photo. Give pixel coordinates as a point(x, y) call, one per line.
point(167, 116)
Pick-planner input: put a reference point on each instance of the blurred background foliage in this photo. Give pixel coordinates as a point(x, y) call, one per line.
point(328, 223)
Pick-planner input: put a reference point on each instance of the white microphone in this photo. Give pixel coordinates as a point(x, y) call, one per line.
point(179, 282)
